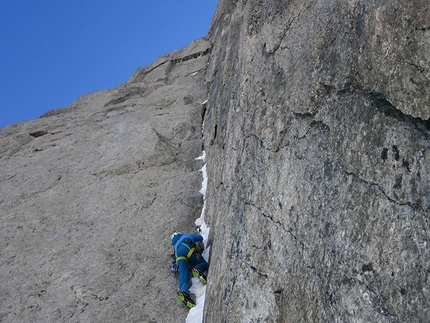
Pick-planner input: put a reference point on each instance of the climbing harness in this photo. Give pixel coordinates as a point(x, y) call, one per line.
point(190, 252)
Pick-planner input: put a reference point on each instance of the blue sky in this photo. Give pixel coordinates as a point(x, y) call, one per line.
point(54, 51)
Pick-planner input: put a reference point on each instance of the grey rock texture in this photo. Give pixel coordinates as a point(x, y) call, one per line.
point(317, 136)
point(90, 194)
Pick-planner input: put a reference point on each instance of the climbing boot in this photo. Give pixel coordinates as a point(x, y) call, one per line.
point(199, 274)
point(186, 299)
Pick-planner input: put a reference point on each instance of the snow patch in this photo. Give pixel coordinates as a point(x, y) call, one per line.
point(196, 313)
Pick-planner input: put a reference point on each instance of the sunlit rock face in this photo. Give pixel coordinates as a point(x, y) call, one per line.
point(315, 117)
point(90, 195)
point(317, 136)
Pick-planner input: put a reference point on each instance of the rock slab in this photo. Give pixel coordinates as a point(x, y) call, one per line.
point(90, 195)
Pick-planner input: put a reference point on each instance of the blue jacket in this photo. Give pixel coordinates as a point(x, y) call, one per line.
point(182, 248)
point(186, 258)
point(177, 239)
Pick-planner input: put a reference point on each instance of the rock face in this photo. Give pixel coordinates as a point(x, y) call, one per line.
point(90, 194)
point(317, 136)
point(317, 140)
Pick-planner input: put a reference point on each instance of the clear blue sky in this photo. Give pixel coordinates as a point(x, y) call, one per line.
point(54, 51)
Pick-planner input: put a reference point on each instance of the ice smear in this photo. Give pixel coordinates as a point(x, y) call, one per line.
point(196, 313)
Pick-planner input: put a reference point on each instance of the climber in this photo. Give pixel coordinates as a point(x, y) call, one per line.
point(188, 261)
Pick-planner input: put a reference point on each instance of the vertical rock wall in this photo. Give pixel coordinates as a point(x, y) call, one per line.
point(317, 136)
point(90, 195)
